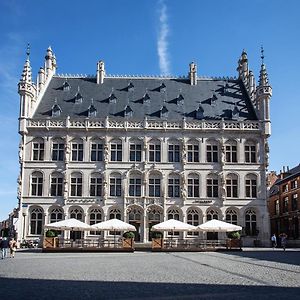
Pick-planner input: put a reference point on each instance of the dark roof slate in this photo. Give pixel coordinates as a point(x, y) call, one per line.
point(146, 97)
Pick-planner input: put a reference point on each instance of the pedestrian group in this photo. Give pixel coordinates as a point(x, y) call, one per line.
point(6, 244)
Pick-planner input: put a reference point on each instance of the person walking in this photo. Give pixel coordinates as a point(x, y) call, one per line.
point(274, 241)
point(12, 247)
point(283, 240)
point(4, 247)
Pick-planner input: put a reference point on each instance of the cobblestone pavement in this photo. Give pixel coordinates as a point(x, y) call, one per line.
point(145, 275)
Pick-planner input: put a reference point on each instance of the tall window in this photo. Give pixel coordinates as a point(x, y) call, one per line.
point(115, 213)
point(135, 152)
point(174, 153)
point(212, 215)
point(96, 151)
point(95, 217)
point(212, 186)
point(294, 184)
point(285, 204)
point(135, 185)
point(250, 153)
point(250, 223)
point(115, 185)
point(76, 213)
point(36, 221)
point(77, 151)
point(154, 152)
point(277, 207)
point(116, 151)
point(36, 184)
point(231, 152)
point(193, 152)
point(193, 218)
point(174, 186)
point(96, 185)
point(193, 186)
point(251, 186)
point(231, 216)
point(294, 201)
point(56, 215)
point(56, 184)
point(212, 153)
point(58, 149)
point(38, 150)
point(231, 186)
point(154, 186)
point(76, 184)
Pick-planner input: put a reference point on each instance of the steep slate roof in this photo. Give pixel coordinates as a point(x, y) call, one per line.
point(294, 172)
point(156, 98)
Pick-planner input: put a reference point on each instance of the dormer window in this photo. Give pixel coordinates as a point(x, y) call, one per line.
point(78, 98)
point(112, 98)
point(200, 113)
point(213, 99)
point(56, 110)
point(128, 112)
point(130, 87)
point(225, 88)
point(180, 99)
point(162, 88)
point(235, 112)
point(92, 111)
point(146, 98)
point(164, 112)
point(66, 86)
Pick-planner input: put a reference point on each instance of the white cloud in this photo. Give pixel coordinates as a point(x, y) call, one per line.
point(162, 41)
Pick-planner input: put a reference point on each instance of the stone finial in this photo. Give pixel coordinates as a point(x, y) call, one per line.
point(100, 72)
point(26, 74)
point(193, 73)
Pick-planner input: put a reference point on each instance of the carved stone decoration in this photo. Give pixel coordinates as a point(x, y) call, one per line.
point(184, 153)
point(106, 153)
point(267, 154)
point(223, 155)
point(21, 151)
point(184, 187)
point(66, 187)
point(67, 151)
point(223, 185)
point(19, 191)
point(105, 189)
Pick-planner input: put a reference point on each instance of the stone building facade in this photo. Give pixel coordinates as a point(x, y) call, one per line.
point(143, 149)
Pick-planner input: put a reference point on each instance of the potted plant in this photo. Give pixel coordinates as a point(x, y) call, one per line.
point(234, 240)
point(50, 239)
point(157, 239)
point(128, 240)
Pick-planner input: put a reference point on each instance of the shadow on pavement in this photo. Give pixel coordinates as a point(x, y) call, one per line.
point(85, 290)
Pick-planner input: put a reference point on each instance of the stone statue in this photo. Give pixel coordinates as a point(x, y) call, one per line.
point(105, 189)
point(106, 153)
point(184, 154)
point(21, 148)
point(19, 191)
point(223, 155)
point(67, 151)
point(223, 185)
point(65, 187)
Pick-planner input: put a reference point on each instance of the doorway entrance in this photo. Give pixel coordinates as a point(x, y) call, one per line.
point(155, 216)
point(137, 233)
point(135, 214)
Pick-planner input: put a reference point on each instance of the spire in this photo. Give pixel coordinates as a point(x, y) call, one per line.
point(26, 74)
point(263, 75)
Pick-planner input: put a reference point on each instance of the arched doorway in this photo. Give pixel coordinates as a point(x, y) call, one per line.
point(154, 216)
point(135, 218)
point(76, 213)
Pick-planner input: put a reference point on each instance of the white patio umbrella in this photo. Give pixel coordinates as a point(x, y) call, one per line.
point(218, 226)
point(173, 225)
point(114, 225)
point(69, 224)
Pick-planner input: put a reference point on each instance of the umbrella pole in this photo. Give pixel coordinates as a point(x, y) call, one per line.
point(114, 238)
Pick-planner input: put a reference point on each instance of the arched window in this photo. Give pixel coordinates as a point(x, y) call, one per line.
point(56, 214)
point(231, 186)
point(135, 185)
point(155, 214)
point(115, 213)
point(250, 152)
point(96, 185)
point(36, 184)
point(77, 151)
point(212, 214)
point(193, 218)
point(231, 151)
point(173, 213)
point(154, 185)
point(58, 150)
point(95, 217)
point(251, 186)
point(174, 186)
point(115, 185)
point(135, 214)
point(36, 220)
point(116, 150)
point(56, 184)
point(76, 184)
point(154, 151)
point(76, 213)
point(173, 152)
point(231, 216)
point(212, 151)
point(250, 223)
point(192, 151)
point(135, 151)
point(38, 147)
point(212, 186)
point(193, 186)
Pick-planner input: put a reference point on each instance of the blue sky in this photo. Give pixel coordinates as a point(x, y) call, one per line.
point(151, 37)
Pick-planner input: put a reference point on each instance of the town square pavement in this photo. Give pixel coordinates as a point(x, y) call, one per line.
point(266, 274)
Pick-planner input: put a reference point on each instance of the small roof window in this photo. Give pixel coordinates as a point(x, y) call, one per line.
point(92, 111)
point(66, 86)
point(164, 112)
point(128, 111)
point(56, 110)
point(200, 112)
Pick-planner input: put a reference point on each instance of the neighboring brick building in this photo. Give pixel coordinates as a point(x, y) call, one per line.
point(283, 205)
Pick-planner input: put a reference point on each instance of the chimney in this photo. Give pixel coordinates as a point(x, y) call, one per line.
point(100, 72)
point(193, 73)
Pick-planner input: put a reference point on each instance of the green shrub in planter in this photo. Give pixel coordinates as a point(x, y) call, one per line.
point(128, 235)
point(51, 233)
point(234, 235)
point(157, 235)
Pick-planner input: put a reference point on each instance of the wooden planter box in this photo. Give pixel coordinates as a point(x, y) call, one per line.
point(128, 243)
point(50, 242)
point(233, 243)
point(157, 243)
